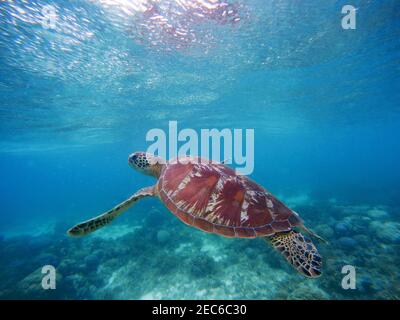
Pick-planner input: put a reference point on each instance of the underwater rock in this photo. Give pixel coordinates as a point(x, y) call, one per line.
point(163, 236)
point(351, 225)
point(347, 242)
point(386, 231)
point(308, 291)
point(324, 231)
point(342, 228)
point(202, 265)
point(357, 210)
point(377, 213)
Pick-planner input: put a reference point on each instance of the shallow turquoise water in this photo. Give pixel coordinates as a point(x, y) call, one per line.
point(76, 98)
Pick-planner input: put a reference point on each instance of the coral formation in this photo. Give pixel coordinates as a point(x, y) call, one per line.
point(128, 259)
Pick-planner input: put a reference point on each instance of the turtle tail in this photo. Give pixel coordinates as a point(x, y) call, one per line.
point(299, 251)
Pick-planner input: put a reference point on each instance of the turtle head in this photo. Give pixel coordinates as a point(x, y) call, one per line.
point(146, 163)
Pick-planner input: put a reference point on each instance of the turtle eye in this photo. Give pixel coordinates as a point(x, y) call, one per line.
point(133, 158)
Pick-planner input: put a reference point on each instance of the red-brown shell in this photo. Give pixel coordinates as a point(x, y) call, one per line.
point(213, 198)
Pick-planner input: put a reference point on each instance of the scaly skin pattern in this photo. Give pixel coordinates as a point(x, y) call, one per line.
point(211, 197)
point(95, 223)
point(299, 251)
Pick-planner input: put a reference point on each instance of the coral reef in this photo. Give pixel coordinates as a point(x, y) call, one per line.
point(156, 256)
point(162, 236)
point(388, 232)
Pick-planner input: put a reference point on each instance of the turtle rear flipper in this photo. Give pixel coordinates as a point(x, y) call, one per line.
point(86, 227)
point(299, 251)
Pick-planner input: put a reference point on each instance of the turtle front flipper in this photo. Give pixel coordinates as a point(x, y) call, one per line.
point(93, 224)
point(299, 251)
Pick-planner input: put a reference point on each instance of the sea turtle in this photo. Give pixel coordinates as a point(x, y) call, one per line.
point(212, 197)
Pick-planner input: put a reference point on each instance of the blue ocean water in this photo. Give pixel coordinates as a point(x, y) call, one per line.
point(82, 82)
